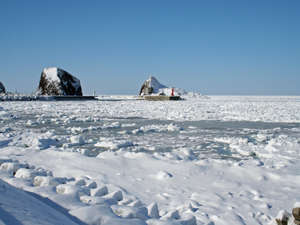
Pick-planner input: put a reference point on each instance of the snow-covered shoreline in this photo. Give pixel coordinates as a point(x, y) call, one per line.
point(222, 160)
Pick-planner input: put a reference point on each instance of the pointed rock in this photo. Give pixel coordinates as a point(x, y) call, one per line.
point(151, 86)
point(2, 88)
point(55, 81)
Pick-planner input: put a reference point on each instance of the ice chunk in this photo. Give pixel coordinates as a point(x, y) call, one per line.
point(174, 214)
point(99, 191)
point(72, 190)
point(114, 144)
point(153, 211)
point(10, 167)
point(130, 212)
point(77, 140)
point(25, 173)
point(116, 195)
point(43, 181)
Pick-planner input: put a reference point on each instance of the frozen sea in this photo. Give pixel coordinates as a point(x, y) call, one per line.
point(215, 160)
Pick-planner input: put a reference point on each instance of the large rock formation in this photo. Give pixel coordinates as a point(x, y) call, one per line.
point(2, 88)
point(151, 86)
point(55, 81)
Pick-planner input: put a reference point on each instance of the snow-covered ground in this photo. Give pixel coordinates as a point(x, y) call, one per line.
point(217, 160)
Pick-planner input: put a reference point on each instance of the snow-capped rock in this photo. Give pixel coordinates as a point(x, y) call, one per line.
point(153, 87)
point(55, 81)
point(2, 88)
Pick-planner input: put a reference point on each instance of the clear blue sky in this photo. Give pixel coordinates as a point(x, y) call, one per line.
point(209, 46)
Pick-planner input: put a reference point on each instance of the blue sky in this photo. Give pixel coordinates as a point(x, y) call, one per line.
point(210, 46)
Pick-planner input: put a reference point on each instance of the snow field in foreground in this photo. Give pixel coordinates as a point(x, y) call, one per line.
point(223, 160)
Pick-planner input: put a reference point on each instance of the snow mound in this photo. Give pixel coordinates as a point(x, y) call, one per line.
point(38, 142)
point(18, 205)
point(163, 175)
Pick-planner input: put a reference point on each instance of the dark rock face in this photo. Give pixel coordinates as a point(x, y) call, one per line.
point(146, 90)
point(55, 81)
point(296, 214)
point(2, 88)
